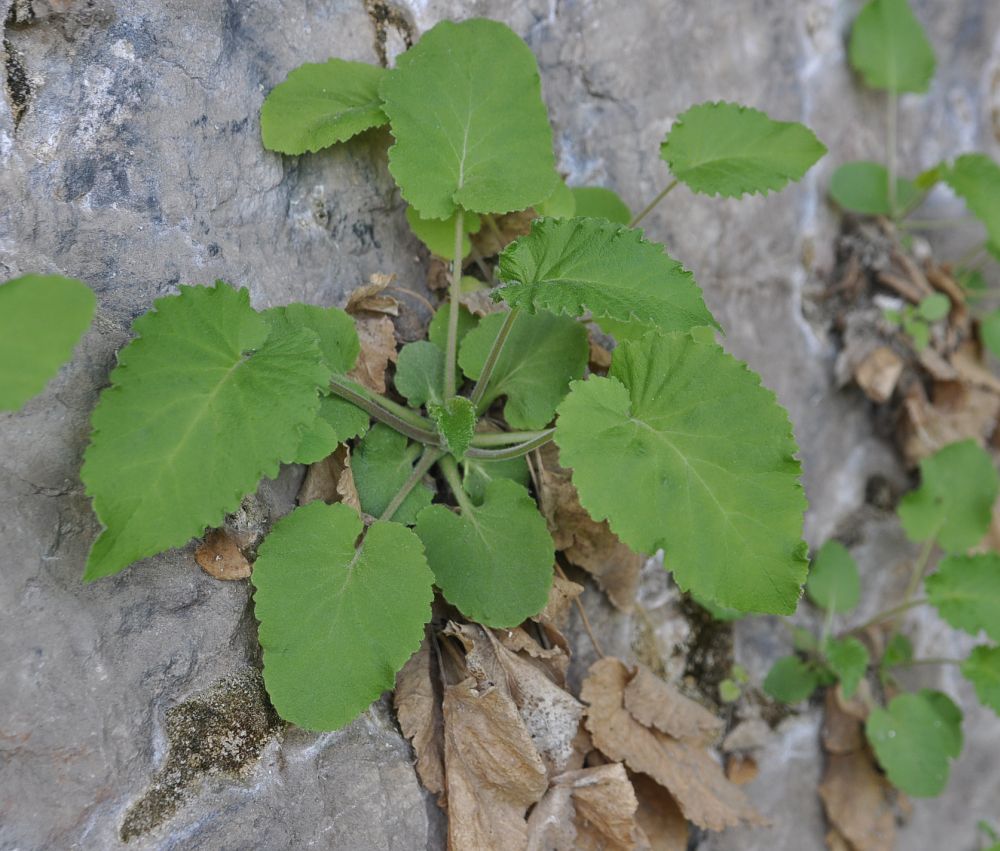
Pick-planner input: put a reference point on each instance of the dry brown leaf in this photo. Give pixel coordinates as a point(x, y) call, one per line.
point(331, 480)
point(959, 411)
point(841, 731)
point(937, 367)
point(878, 373)
point(585, 542)
point(498, 231)
point(438, 274)
point(561, 596)
point(220, 556)
point(371, 298)
point(493, 772)
point(854, 795)
point(418, 709)
point(378, 347)
point(835, 841)
point(741, 769)
point(550, 825)
point(653, 703)
point(553, 661)
point(968, 362)
point(687, 771)
point(660, 819)
point(600, 357)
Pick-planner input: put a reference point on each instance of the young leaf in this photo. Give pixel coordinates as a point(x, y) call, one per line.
point(863, 187)
point(848, 659)
point(542, 355)
point(477, 474)
point(420, 373)
point(898, 651)
point(493, 561)
point(596, 202)
point(42, 318)
point(336, 622)
point(334, 329)
point(680, 448)
point(561, 204)
point(976, 179)
point(439, 234)
point(915, 738)
point(437, 331)
point(889, 49)
point(834, 583)
point(955, 499)
point(791, 680)
point(934, 307)
point(382, 463)
point(577, 265)
point(456, 421)
point(982, 669)
point(202, 404)
point(336, 421)
point(320, 104)
point(732, 150)
point(729, 691)
point(966, 592)
point(470, 125)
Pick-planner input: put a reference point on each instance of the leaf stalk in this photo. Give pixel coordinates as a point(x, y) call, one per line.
point(516, 451)
point(454, 295)
point(491, 359)
point(652, 204)
point(385, 410)
point(427, 459)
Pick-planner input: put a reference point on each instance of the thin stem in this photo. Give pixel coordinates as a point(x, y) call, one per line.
point(652, 204)
point(385, 410)
point(965, 261)
point(890, 149)
point(449, 468)
point(503, 438)
point(928, 661)
point(427, 459)
point(509, 452)
point(888, 614)
point(583, 616)
point(493, 357)
point(915, 204)
point(453, 298)
point(919, 566)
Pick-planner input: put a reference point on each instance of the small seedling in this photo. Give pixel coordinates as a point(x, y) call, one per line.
point(914, 735)
point(678, 447)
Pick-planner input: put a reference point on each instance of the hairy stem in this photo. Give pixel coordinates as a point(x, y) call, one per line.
point(453, 298)
point(889, 614)
point(493, 357)
point(652, 204)
point(449, 469)
point(427, 459)
point(503, 438)
point(890, 149)
point(928, 661)
point(385, 410)
point(516, 451)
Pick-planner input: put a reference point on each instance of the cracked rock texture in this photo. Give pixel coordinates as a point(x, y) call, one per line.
point(130, 155)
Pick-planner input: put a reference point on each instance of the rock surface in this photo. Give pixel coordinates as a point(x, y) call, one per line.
point(130, 155)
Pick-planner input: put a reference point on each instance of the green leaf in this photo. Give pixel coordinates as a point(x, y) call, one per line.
point(470, 125)
point(42, 318)
point(966, 592)
point(803, 640)
point(915, 738)
point(437, 331)
point(382, 462)
point(729, 691)
point(680, 448)
point(336, 421)
point(899, 651)
point(561, 204)
point(420, 373)
point(477, 474)
point(934, 307)
point(848, 659)
point(976, 179)
point(954, 502)
point(791, 680)
point(336, 622)
point(439, 234)
point(918, 330)
point(320, 104)
point(493, 561)
point(542, 355)
point(456, 422)
point(596, 202)
point(202, 404)
point(982, 669)
point(834, 583)
point(719, 613)
point(732, 150)
point(889, 49)
point(574, 266)
point(989, 332)
point(333, 327)
point(863, 187)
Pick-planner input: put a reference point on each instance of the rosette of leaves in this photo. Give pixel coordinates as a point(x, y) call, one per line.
point(679, 447)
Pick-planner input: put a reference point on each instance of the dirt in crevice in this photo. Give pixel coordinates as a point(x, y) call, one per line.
point(391, 24)
point(709, 650)
point(16, 84)
point(221, 731)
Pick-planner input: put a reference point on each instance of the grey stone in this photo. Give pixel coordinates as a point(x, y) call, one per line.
point(131, 158)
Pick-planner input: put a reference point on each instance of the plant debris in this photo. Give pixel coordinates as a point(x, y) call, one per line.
point(220, 556)
point(378, 349)
point(331, 480)
point(370, 298)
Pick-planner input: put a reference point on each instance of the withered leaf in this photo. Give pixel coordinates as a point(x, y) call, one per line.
point(553, 661)
point(561, 596)
point(741, 769)
point(498, 231)
point(841, 731)
point(687, 771)
point(653, 703)
point(854, 795)
point(371, 298)
point(378, 348)
point(493, 772)
point(878, 373)
point(331, 480)
point(660, 819)
point(220, 557)
point(959, 411)
point(418, 709)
